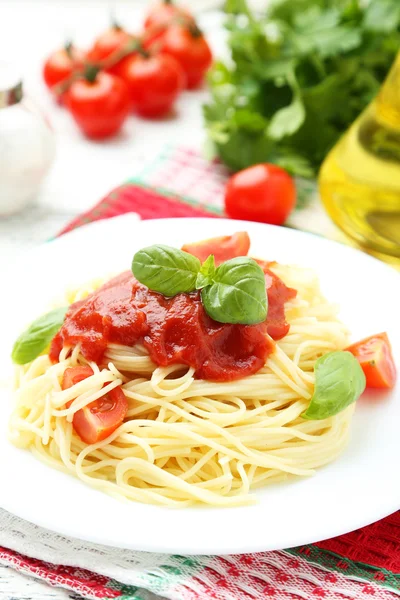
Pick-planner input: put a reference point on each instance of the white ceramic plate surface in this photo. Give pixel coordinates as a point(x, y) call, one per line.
point(362, 486)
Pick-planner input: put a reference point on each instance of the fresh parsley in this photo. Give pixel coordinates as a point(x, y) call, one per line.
point(298, 76)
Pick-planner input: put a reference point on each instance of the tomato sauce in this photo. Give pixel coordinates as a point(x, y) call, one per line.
point(278, 294)
point(174, 330)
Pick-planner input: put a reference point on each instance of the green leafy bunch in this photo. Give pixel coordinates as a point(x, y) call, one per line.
point(297, 78)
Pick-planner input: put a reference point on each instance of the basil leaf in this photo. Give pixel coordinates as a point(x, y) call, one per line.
point(38, 336)
point(238, 293)
point(166, 270)
point(339, 381)
point(207, 273)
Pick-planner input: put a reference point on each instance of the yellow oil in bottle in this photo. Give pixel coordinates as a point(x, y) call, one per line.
point(359, 180)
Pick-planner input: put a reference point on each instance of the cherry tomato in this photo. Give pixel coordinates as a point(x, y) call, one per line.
point(100, 418)
point(223, 248)
point(60, 65)
point(162, 14)
point(106, 44)
point(99, 104)
point(189, 47)
point(154, 83)
point(263, 193)
point(375, 357)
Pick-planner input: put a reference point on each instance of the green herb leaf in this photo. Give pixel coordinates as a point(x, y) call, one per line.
point(277, 68)
point(38, 336)
point(340, 52)
point(289, 119)
point(207, 273)
point(339, 381)
point(337, 41)
point(166, 270)
point(238, 293)
point(383, 16)
point(295, 163)
point(236, 7)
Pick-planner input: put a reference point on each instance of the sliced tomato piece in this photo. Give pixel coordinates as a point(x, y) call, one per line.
point(100, 418)
point(74, 375)
point(375, 357)
point(223, 248)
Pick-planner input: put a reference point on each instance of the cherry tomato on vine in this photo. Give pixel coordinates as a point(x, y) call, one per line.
point(99, 103)
point(188, 46)
point(107, 43)
point(60, 65)
point(160, 17)
point(163, 13)
point(263, 193)
point(154, 83)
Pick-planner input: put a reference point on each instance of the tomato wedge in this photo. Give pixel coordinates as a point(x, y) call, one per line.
point(100, 418)
point(375, 357)
point(223, 248)
point(74, 375)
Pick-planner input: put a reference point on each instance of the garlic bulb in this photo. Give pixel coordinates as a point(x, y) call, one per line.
point(27, 145)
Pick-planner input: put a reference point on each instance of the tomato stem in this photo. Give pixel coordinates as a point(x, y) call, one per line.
point(144, 53)
point(91, 72)
point(68, 46)
point(194, 29)
point(130, 47)
point(168, 2)
point(113, 20)
point(60, 88)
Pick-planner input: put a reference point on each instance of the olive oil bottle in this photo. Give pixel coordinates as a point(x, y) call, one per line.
point(359, 180)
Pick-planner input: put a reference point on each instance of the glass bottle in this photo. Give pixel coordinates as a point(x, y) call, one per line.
point(359, 180)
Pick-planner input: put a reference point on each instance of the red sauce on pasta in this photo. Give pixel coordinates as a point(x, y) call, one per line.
point(174, 330)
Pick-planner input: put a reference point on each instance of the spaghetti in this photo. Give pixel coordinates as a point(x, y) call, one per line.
point(186, 440)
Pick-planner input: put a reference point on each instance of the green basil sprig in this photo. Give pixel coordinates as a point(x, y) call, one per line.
point(237, 294)
point(339, 381)
point(234, 292)
point(166, 270)
point(38, 336)
point(207, 273)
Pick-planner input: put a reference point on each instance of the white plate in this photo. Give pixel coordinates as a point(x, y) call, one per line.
point(362, 486)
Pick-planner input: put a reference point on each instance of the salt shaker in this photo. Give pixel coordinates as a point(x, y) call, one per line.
point(27, 145)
